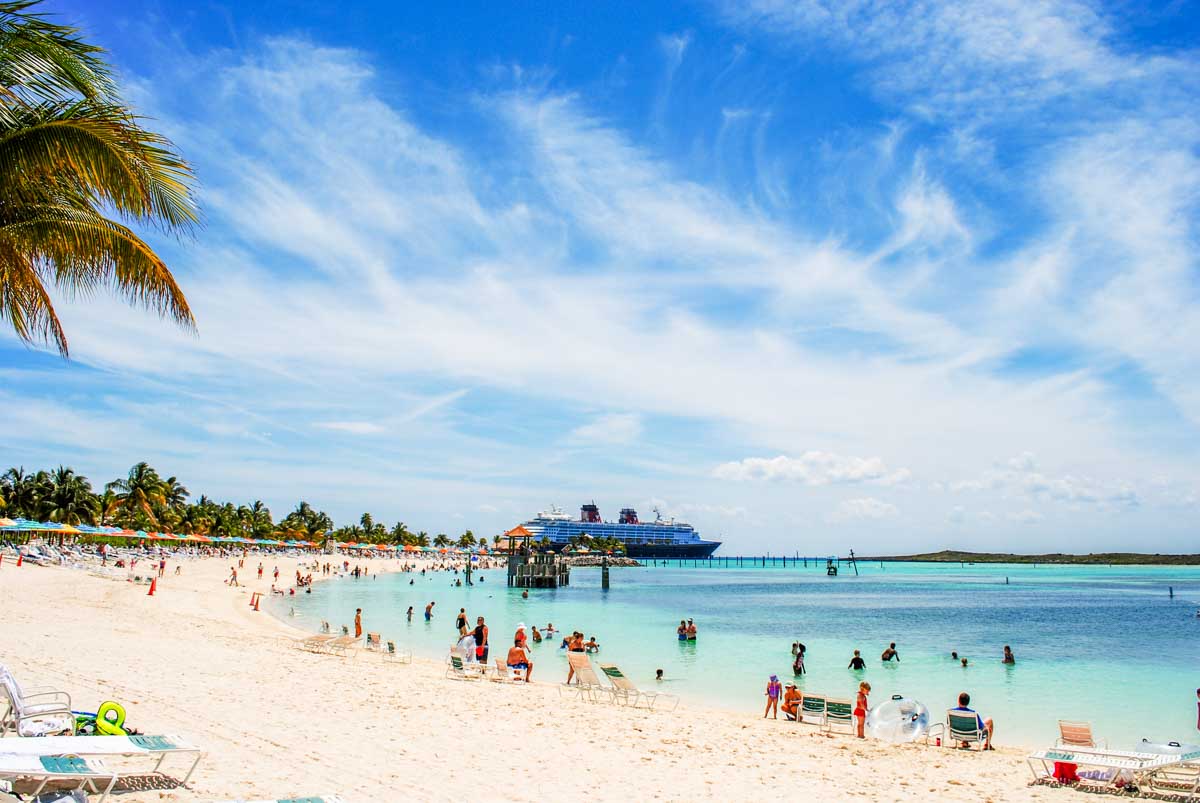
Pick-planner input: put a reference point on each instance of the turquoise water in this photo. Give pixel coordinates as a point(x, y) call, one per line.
point(1097, 643)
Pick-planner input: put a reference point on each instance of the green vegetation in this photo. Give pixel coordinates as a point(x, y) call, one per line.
point(144, 500)
point(1100, 558)
point(72, 152)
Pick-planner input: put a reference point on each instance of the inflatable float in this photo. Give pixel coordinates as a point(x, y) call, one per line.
point(898, 720)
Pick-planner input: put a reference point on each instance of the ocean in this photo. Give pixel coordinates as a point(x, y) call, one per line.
point(1101, 644)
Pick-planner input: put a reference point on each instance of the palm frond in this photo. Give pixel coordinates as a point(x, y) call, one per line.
point(24, 302)
point(100, 151)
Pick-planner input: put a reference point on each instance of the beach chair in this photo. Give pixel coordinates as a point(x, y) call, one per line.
point(587, 685)
point(323, 798)
point(1075, 734)
point(458, 669)
point(157, 748)
point(1116, 769)
point(1178, 781)
point(374, 642)
point(626, 692)
point(506, 674)
point(341, 646)
point(959, 727)
point(91, 773)
point(34, 713)
point(390, 653)
point(812, 709)
point(839, 712)
point(309, 643)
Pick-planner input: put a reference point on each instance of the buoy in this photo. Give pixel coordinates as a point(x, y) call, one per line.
point(153, 587)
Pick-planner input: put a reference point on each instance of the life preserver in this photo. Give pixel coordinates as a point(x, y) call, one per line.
point(113, 725)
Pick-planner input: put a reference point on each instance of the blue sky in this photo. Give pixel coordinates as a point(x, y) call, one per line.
point(809, 275)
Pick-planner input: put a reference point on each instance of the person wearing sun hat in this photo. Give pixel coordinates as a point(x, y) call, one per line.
point(773, 692)
point(791, 701)
point(520, 637)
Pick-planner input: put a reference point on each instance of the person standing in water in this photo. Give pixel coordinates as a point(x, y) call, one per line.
point(774, 689)
point(409, 614)
point(1009, 658)
point(890, 653)
point(691, 630)
point(857, 663)
point(358, 623)
point(429, 611)
point(461, 622)
point(681, 631)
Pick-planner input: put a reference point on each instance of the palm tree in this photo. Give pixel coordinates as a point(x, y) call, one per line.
point(422, 539)
point(138, 495)
point(108, 505)
point(21, 493)
point(466, 540)
point(70, 150)
point(441, 540)
point(260, 519)
point(71, 500)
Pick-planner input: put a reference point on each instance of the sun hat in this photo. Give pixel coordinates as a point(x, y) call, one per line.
point(774, 677)
point(520, 625)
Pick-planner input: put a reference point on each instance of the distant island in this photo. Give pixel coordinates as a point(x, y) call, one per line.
point(1114, 558)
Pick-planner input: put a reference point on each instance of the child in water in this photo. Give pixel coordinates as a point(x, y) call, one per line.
point(860, 707)
point(774, 689)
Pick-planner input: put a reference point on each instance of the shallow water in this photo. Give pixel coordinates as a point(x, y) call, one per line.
point(1096, 643)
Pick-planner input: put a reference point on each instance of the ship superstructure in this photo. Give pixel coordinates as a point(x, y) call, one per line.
point(661, 538)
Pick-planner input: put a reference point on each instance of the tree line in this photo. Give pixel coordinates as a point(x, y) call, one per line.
point(145, 500)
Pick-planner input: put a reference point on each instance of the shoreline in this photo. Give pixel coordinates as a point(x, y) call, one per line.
point(196, 660)
point(1050, 559)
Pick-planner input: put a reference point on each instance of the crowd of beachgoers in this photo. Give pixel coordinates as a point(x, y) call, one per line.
point(484, 655)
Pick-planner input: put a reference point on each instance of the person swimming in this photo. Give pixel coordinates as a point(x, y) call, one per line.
point(1009, 658)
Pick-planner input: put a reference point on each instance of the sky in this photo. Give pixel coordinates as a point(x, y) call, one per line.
point(809, 275)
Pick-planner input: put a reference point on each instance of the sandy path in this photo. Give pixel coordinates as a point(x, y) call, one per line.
point(277, 722)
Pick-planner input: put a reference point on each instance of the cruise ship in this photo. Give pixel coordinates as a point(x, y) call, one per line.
point(661, 538)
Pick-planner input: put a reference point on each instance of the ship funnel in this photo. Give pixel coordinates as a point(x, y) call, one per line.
point(628, 516)
point(590, 513)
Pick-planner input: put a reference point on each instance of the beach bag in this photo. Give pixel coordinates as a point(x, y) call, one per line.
point(1065, 773)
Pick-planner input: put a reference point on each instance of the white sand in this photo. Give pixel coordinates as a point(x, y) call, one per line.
point(276, 722)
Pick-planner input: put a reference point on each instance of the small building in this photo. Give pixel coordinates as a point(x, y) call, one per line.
point(527, 569)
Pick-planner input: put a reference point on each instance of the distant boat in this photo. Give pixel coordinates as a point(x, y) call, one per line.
point(661, 538)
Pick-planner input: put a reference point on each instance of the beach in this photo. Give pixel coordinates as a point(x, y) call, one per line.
point(275, 722)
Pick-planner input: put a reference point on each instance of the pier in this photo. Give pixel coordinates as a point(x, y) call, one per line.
point(825, 562)
point(538, 571)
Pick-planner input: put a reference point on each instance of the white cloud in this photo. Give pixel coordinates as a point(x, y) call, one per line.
point(1019, 476)
point(1025, 517)
point(612, 429)
point(867, 508)
point(352, 427)
point(812, 468)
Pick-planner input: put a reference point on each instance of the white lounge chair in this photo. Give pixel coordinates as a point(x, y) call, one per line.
point(1119, 766)
point(812, 709)
point(153, 747)
point(458, 669)
point(587, 684)
point(91, 773)
point(34, 713)
point(627, 693)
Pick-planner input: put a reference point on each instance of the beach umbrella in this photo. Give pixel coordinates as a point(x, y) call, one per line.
point(7, 523)
point(384, 547)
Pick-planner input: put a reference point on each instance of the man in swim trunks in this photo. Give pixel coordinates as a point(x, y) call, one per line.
point(481, 640)
point(857, 663)
point(791, 701)
point(691, 631)
point(890, 653)
point(517, 659)
point(988, 727)
point(429, 611)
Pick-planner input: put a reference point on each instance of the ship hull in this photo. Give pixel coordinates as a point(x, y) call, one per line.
point(702, 549)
